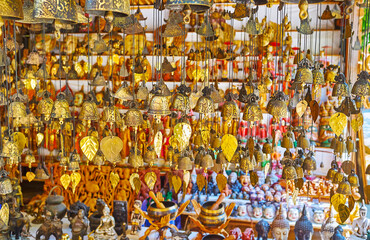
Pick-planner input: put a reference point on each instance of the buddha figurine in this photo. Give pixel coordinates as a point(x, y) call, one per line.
point(303, 229)
point(79, 223)
point(360, 225)
point(262, 229)
point(328, 227)
point(280, 226)
point(105, 230)
point(338, 234)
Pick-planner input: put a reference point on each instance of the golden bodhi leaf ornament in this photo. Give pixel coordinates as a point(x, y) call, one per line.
point(221, 181)
point(357, 122)
point(337, 199)
point(65, 179)
point(176, 183)
point(111, 147)
point(89, 146)
point(132, 181)
point(182, 132)
point(158, 140)
point(150, 179)
point(301, 107)
point(30, 176)
point(114, 179)
point(338, 122)
point(229, 144)
point(4, 213)
point(75, 179)
point(39, 138)
point(20, 140)
point(201, 182)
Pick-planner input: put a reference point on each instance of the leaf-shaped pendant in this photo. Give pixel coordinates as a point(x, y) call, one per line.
point(30, 176)
point(150, 179)
point(132, 182)
point(114, 179)
point(182, 132)
point(39, 138)
point(158, 140)
point(111, 146)
point(65, 179)
point(357, 122)
point(301, 107)
point(89, 146)
point(221, 181)
point(229, 144)
point(338, 122)
point(176, 183)
point(75, 179)
point(201, 182)
point(315, 108)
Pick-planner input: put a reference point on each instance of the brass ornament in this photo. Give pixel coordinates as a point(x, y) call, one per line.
point(30, 176)
point(362, 86)
point(229, 144)
point(4, 213)
point(326, 15)
point(89, 146)
point(182, 132)
point(254, 178)
point(111, 114)
point(150, 179)
point(176, 183)
point(158, 141)
point(252, 111)
point(159, 105)
point(114, 179)
point(133, 118)
point(305, 27)
point(63, 10)
point(343, 212)
point(301, 108)
point(277, 106)
point(61, 108)
point(221, 182)
point(111, 146)
point(304, 74)
point(65, 180)
point(197, 6)
point(20, 140)
point(201, 182)
point(337, 199)
point(124, 92)
point(11, 9)
point(75, 180)
point(253, 27)
point(338, 122)
point(135, 182)
point(347, 107)
point(206, 29)
point(357, 122)
point(103, 8)
point(340, 88)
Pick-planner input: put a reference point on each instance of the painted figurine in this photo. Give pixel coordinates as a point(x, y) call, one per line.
point(79, 223)
point(136, 218)
point(328, 227)
point(269, 212)
point(338, 234)
point(293, 214)
point(262, 229)
point(360, 225)
point(303, 229)
point(318, 216)
point(280, 226)
point(106, 230)
point(234, 185)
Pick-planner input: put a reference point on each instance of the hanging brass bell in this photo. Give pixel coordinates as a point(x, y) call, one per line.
point(167, 66)
point(304, 74)
point(133, 118)
point(252, 111)
point(344, 187)
point(199, 155)
point(362, 86)
point(74, 161)
point(236, 157)
point(230, 109)
point(111, 114)
point(353, 179)
point(159, 105)
point(17, 109)
point(124, 93)
point(150, 155)
point(89, 111)
point(347, 107)
point(216, 95)
point(367, 172)
point(28, 9)
point(41, 173)
point(180, 103)
point(102, 8)
point(303, 141)
point(350, 145)
point(241, 11)
point(6, 186)
point(135, 159)
point(287, 142)
point(173, 29)
point(221, 159)
point(299, 171)
point(29, 159)
point(142, 92)
point(326, 15)
point(99, 159)
point(185, 164)
point(204, 105)
point(277, 106)
point(332, 171)
point(61, 108)
point(206, 162)
point(253, 27)
point(340, 147)
point(289, 172)
point(63, 10)
point(197, 6)
point(163, 88)
point(267, 148)
point(246, 164)
point(216, 143)
point(338, 177)
point(309, 163)
point(98, 80)
point(317, 75)
point(11, 9)
point(340, 88)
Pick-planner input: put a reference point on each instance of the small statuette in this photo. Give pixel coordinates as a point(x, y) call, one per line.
point(360, 225)
point(106, 230)
point(303, 228)
point(280, 226)
point(137, 219)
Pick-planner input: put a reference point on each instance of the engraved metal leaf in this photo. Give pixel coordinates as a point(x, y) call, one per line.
point(111, 147)
point(337, 199)
point(114, 179)
point(221, 181)
point(150, 179)
point(30, 176)
point(89, 146)
point(75, 180)
point(65, 179)
point(229, 144)
point(343, 212)
point(39, 138)
point(357, 122)
point(254, 178)
point(299, 183)
point(351, 202)
point(4, 213)
point(201, 182)
point(158, 140)
point(176, 183)
point(315, 108)
point(250, 145)
point(131, 180)
point(182, 132)
point(301, 107)
point(338, 122)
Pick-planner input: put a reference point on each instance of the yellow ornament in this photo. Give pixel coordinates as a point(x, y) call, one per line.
point(65, 179)
point(75, 179)
point(150, 179)
point(357, 122)
point(30, 176)
point(158, 140)
point(114, 179)
point(301, 107)
point(39, 138)
point(20, 141)
point(135, 182)
point(89, 146)
point(111, 147)
point(338, 122)
point(182, 132)
point(229, 144)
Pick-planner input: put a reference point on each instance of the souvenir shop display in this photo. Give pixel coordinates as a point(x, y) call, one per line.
point(186, 119)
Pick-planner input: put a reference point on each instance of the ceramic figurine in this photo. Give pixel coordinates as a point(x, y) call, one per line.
point(79, 223)
point(328, 227)
point(212, 185)
point(234, 185)
point(303, 229)
point(280, 226)
point(242, 210)
point(262, 229)
point(293, 214)
point(360, 225)
point(136, 218)
point(318, 216)
point(269, 212)
point(338, 234)
point(105, 230)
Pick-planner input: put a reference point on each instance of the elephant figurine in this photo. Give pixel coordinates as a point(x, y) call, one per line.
point(52, 226)
point(17, 223)
point(262, 229)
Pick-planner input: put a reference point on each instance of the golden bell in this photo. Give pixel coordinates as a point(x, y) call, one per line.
point(63, 10)
point(277, 106)
point(185, 164)
point(119, 8)
point(340, 147)
point(163, 88)
point(338, 177)
point(221, 159)
point(347, 107)
point(309, 163)
point(331, 172)
point(252, 111)
point(133, 118)
point(317, 75)
point(303, 141)
point(61, 108)
point(159, 105)
point(74, 161)
point(142, 92)
point(344, 187)
point(353, 179)
point(287, 142)
point(241, 11)
point(199, 156)
point(230, 110)
point(17, 110)
point(5, 183)
point(167, 66)
point(236, 157)
point(124, 93)
point(28, 9)
point(100, 46)
point(305, 27)
point(173, 29)
point(40, 173)
point(350, 145)
point(206, 162)
point(89, 111)
point(362, 87)
point(150, 155)
point(289, 173)
point(326, 15)
point(99, 80)
point(99, 158)
point(253, 27)
point(204, 105)
point(29, 159)
point(304, 74)
point(246, 164)
point(197, 6)
point(111, 114)
point(215, 95)
point(340, 88)
point(180, 103)
point(206, 29)
point(45, 106)
point(11, 9)
point(299, 171)
point(267, 148)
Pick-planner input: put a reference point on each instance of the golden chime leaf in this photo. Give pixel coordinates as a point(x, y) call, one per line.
point(301, 107)
point(65, 179)
point(254, 178)
point(338, 122)
point(182, 132)
point(294, 196)
point(20, 140)
point(250, 145)
point(39, 138)
point(30, 176)
point(229, 144)
point(221, 181)
point(111, 146)
point(150, 179)
point(205, 133)
point(201, 182)
point(158, 140)
point(75, 180)
point(337, 199)
point(114, 179)
point(343, 212)
point(89, 146)
point(186, 178)
point(137, 184)
point(357, 122)
point(351, 202)
point(4, 213)
point(299, 183)
point(315, 109)
point(176, 183)
point(132, 182)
